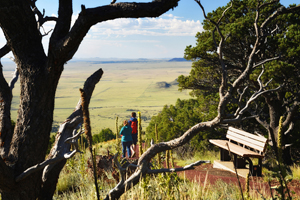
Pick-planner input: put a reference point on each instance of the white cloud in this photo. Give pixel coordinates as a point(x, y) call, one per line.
point(168, 25)
point(166, 36)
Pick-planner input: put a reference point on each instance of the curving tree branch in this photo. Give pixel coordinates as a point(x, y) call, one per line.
point(4, 50)
point(187, 167)
point(66, 44)
point(41, 19)
point(144, 160)
point(66, 138)
point(219, 47)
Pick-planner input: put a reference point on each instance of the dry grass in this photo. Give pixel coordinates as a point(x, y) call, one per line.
point(207, 155)
point(296, 171)
point(162, 186)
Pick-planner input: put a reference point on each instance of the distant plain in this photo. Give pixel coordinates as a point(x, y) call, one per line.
point(123, 88)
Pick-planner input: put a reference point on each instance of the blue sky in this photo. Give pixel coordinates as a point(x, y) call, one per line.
point(163, 37)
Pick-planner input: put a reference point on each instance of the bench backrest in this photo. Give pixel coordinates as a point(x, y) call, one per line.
point(244, 138)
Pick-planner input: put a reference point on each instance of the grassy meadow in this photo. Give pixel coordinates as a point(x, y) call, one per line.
point(124, 87)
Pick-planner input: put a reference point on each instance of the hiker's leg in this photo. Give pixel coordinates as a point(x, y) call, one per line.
point(131, 148)
point(134, 141)
point(124, 149)
point(128, 145)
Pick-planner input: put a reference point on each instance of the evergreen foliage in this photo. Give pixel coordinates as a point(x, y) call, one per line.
point(283, 42)
point(176, 119)
point(104, 135)
point(205, 76)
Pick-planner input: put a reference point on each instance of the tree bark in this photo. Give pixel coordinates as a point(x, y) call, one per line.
point(39, 75)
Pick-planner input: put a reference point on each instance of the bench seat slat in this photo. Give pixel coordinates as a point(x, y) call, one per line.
point(236, 149)
point(246, 140)
point(250, 135)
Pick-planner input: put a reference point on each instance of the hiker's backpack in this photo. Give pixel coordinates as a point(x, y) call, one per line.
point(134, 126)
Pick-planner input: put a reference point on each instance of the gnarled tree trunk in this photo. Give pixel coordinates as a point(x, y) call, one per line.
point(23, 150)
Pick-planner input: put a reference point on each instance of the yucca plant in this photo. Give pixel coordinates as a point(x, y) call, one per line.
point(157, 141)
point(140, 134)
point(280, 172)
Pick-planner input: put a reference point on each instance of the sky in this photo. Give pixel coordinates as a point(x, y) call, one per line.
point(164, 37)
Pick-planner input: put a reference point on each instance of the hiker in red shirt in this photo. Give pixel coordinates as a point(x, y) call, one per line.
point(133, 123)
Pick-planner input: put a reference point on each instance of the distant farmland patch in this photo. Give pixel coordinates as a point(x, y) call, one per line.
point(164, 84)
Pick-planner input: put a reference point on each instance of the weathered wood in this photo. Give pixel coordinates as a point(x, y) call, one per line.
point(250, 135)
point(236, 149)
point(247, 143)
point(243, 144)
point(243, 141)
point(250, 142)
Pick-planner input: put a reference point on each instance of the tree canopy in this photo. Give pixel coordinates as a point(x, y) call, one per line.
point(279, 53)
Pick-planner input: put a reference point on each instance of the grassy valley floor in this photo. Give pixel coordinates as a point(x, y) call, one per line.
point(124, 87)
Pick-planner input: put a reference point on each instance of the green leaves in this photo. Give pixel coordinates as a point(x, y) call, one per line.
point(105, 135)
point(173, 121)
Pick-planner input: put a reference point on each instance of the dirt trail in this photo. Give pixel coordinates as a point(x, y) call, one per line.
point(212, 175)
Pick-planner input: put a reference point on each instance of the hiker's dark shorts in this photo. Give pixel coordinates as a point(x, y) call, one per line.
point(134, 138)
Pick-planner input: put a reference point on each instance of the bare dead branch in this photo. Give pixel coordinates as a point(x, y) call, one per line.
point(90, 16)
point(73, 141)
point(240, 100)
point(38, 167)
point(63, 23)
point(223, 14)
point(289, 130)
point(258, 93)
point(257, 29)
point(240, 111)
point(41, 19)
point(144, 160)
point(187, 167)
point(219, 48)
point(265, 61)
point(14, 79)
point(4, 50)
point(268, 3)
point(48, 164)
point(275, 29)
point(292, 110)
point(67, 136)
point(279, 11)
point(121, 169)
point(46, 33)
point(151, 142)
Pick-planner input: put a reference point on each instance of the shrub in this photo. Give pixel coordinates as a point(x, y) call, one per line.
point(105, 135)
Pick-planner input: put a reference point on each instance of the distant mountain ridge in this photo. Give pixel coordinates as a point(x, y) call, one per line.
point(178, 60)
point(126, 60)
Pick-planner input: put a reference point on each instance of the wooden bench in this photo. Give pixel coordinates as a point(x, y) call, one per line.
point(243, 146)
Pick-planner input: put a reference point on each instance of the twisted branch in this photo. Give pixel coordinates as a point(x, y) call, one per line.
point(67, 136)
point(187, 167)
point(142, 169)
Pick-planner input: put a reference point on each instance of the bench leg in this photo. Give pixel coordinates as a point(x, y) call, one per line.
point(255, 170)
point(259, 170)
point(224, 155)
point(250, 166)
point(239, 162)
